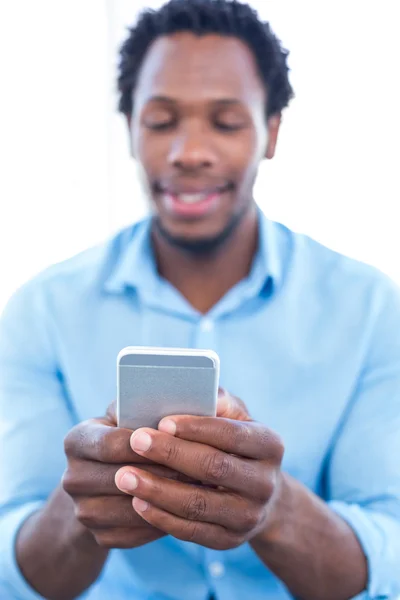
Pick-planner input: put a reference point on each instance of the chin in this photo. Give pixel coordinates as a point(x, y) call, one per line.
point(192, 239)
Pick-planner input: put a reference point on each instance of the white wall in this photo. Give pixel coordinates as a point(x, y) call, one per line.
point(67, 181)
point(54, 112)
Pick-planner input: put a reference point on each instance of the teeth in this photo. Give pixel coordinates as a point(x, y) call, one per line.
point(192, 198)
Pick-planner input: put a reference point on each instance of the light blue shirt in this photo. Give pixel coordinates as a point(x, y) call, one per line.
point(310, 341)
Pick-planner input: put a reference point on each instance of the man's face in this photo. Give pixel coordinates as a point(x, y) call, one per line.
point(199, 132)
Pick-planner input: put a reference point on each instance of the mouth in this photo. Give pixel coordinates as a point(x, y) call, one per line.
point(191, 203)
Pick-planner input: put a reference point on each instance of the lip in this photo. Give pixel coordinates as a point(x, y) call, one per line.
point(177, 190)
point(209, 202)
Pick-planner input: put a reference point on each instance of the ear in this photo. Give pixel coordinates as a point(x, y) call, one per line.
point(130, 137)
point(274, 123)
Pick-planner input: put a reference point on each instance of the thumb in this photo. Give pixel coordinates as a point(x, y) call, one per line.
point(231, 407)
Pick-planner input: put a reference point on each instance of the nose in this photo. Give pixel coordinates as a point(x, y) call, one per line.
point(192, 150)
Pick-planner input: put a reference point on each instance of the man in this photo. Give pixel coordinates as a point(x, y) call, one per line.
point(301, 478)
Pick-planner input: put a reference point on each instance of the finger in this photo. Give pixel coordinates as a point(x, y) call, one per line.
point(231, 407)
point(203, 463)
point(111, 413)
point(103, 512)
point(96, 440)
point(97, 479)
point(127, 538)
point(249, 439)
point(191, 502)
point(204, 534)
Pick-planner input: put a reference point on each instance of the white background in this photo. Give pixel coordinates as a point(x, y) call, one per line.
point(66, 179)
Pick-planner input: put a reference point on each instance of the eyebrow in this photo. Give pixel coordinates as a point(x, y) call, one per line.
point(220, 101)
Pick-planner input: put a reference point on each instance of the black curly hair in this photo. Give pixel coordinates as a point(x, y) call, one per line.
point(202, 17)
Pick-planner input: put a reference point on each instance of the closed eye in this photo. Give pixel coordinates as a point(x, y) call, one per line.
point(160, 126)
point(229, 127)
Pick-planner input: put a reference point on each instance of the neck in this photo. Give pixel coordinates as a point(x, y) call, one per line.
point(204, 279)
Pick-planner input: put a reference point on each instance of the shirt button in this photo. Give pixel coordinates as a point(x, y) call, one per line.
point(207, 325)
point(216, 569)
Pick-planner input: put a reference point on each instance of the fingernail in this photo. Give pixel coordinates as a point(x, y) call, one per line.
point(141, 442)
point(140, 505)
point(167, 426)
point(128, 482)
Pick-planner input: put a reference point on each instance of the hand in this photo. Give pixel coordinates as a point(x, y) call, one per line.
point(95, 451)
point(236, 459)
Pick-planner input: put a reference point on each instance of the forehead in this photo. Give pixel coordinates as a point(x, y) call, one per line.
point(190, 67)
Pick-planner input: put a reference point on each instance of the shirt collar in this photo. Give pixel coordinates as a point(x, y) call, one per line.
point(136, 266)
point(270, 251)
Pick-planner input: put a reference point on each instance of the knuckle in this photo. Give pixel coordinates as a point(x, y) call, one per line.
point(267, 487)
point(85, 514)
point(170, 451)
point(118, 445)
point(104, 446)
point(217, 467)
point(191, 531)
point(237, 433)
point(123, 544)
point(250, 472)
point(249, 519)
point(122, 538)
point(72, 441)
point(227, 430)
point(227, 541)
point(242, 434)
point(273, 445)
point(68, 445)
point(106, 540)
point(108, 445)
point(91, 439)
point(196, 506)
point(280, 448)
point(70, 483)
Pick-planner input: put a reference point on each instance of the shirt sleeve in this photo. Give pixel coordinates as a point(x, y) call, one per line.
point(34, 419)
point(363, 473)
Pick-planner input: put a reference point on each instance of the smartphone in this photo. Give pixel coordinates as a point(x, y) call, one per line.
point(153, 383)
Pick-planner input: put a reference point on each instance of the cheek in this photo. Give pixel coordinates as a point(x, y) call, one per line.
point(146, 158)
point(149, 153)
point(248, 156)
point(141, 147)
